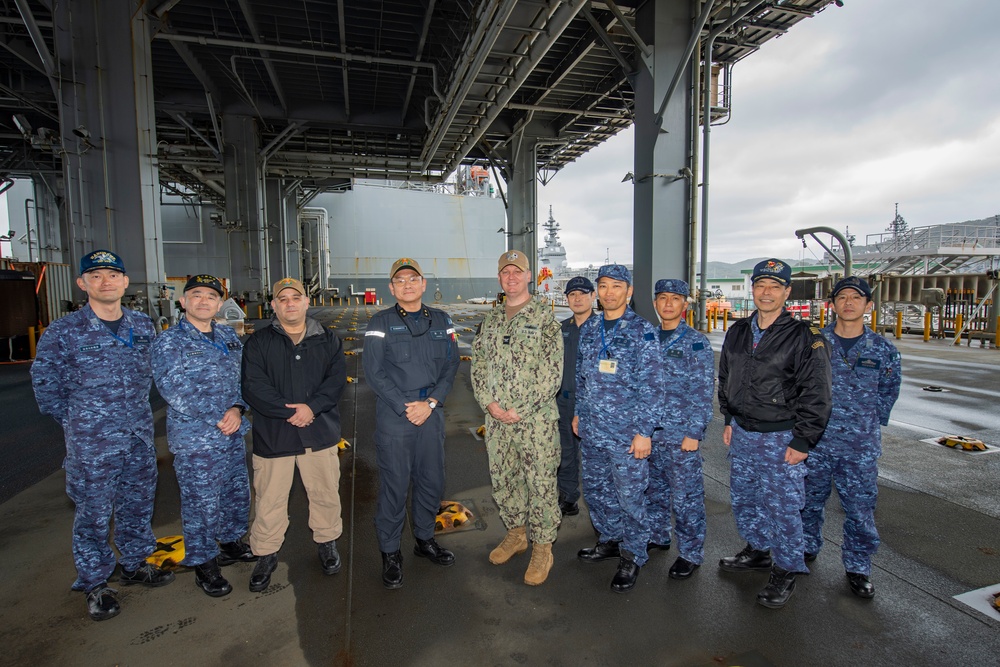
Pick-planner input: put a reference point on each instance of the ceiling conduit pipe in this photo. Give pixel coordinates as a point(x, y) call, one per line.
point(554, 28)
point(197, 173)
point(706, 152)
point(477, 50)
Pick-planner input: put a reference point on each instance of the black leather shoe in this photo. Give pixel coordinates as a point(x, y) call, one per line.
point(626, 575)
point(102, 603)
point(662, 546)
point(209, 578)
point(861, 585)
point(146, 574)
point(568, 509)
point(746, 560)
point(682, 569)
point(234, 552)
point(779, 588)
point(392, 570)
point(809, 556)
point(329, 558)
point(261, 576)
point(433, 552)
point(600, 551)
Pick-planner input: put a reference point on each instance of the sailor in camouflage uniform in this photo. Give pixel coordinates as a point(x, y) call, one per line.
point(675, 464)
point(196, 366)
point(774, 392)
point(410, 360)
point(866, 379)
point(92, 375)
point(619, 384)
point(516, 371)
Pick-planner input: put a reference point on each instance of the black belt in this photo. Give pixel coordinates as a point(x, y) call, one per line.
point(764, 427)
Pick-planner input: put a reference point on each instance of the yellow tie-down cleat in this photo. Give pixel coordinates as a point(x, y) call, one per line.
point(962, 442)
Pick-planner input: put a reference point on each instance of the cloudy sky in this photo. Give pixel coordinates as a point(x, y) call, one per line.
point(860, 107)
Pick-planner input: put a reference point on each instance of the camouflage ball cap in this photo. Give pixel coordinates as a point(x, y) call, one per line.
point(101, 259)
point(288, 283)
point(615, 272)
point(405, 263)
point(860, 285)
point(515, 257)
point(672, 286)
point(205, 280)
point(774, 269)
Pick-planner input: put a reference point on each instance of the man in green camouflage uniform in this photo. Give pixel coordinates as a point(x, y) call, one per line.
point(516, 372)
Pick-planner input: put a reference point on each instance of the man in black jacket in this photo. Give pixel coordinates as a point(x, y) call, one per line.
point(774, 392)
point(293, 376)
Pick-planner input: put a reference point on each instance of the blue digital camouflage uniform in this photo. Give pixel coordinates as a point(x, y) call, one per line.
point(866, 383)
point(409, 357)
point(199, 378)
point(612, 409)
point(96, 385)
point(675, 476)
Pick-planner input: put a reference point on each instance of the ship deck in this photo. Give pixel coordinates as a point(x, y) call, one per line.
point(938, 515)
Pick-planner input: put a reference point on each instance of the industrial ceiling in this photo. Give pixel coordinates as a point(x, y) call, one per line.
point(394, 89)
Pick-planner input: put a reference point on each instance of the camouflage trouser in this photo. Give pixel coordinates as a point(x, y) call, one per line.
point(215, 497)
point(614, 484)
point(524, 458)
point(676, 485)
point(857, 486)
point(768, 495)
point(105, 478)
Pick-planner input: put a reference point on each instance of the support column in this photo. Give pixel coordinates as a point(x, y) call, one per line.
point(522, 197)
point(661, 195)
point(292, 233)
point(247, 247)
point(108, 132)
point(274, 229)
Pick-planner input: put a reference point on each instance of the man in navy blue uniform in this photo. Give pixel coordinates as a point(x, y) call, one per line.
point(675, 465)
point(410, 360)
point(580, 297)
point(774, 392)
point(293, 377)
point(196, 366)
point(619, 381)
point(92, 375)
point(866, 379)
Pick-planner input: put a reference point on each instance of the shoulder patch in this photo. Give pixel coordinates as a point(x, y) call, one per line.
point(698, 346)
point(818, 344)
point(648, 336)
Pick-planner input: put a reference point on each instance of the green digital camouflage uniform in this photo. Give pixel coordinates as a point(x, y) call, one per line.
point(518, 364)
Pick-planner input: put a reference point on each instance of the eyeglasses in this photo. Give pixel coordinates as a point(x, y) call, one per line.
point(412, 280)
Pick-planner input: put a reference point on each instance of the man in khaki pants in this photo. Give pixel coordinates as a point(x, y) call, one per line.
point(293, 376)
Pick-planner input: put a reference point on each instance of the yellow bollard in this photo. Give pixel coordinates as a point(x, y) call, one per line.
point(875, 321)
point(822, 316)
point(958, 327)
point(899, 324)
point(260, 311)
point(31, 342)
point(927, 326)
point(725, 320)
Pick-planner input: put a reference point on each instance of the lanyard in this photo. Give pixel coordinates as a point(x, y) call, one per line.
point(221, 347)
point(605, 345)
point(128, 343)
point(675, 339)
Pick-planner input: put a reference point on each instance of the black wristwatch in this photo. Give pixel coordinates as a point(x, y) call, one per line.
point(242, 409)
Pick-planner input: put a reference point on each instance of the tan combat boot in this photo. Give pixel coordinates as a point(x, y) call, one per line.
point(515, 542)
point(541, 563)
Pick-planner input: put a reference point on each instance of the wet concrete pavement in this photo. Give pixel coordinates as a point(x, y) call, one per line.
point(939, 517)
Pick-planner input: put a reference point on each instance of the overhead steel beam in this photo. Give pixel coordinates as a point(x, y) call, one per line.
point(268, 66)
point(193, 64)
point(559, 110)
point(636, 39)
point(418, 55)
point(606, 40)
point(341, 21)
point(184, 121)
point(554, 28)
point(48, 62)
point(564, 68)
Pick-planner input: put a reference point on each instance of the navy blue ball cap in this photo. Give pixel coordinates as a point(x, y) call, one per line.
point(101, 259)
point(672, 286)
point(860, 285)
point(579, 284)
point(615, 272)
point(205, 280)
point(774, 269)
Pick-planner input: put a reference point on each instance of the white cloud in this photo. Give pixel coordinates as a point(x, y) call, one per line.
point(834, 123)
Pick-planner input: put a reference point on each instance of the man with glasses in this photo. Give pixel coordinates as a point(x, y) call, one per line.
point(619, 384)
point(774, 392)
point(92, 375)
point(410, 360)
point(866, 379)
point(196, 366)
point(516, 369)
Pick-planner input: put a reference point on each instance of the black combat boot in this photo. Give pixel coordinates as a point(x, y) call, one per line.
point(209, 578)
point(102, 603)
point(392, 570)
point(329, 558)
point(260, 578)
point(627, 573)
point(433, 552)
point(779, 588)
point(746, 560)
point(600, 551)
point(235, 552)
